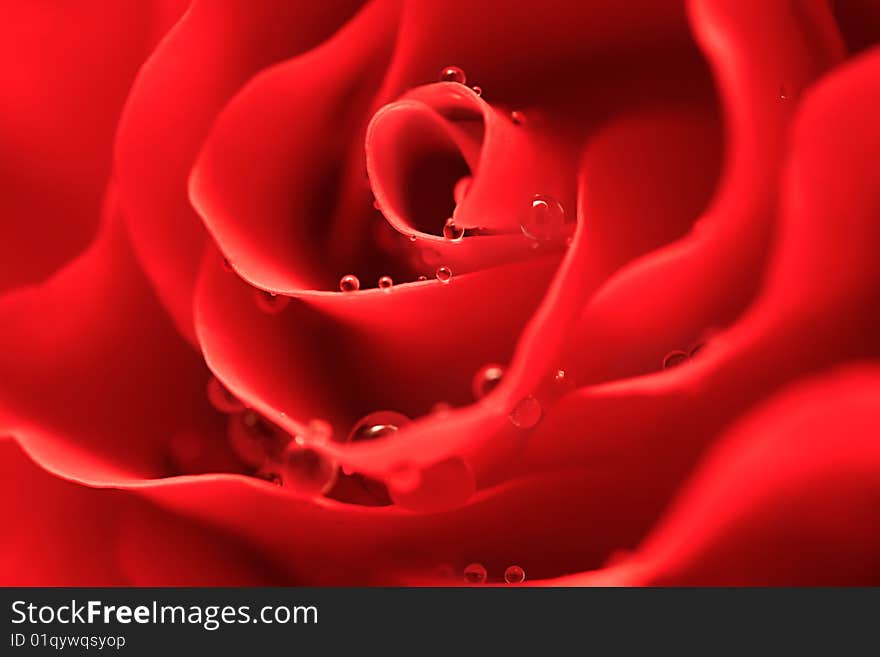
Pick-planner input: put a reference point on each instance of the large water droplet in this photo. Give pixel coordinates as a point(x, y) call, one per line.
point(221, 399)
point(475, 573)
point(452, 231)
point(377, 425)
point(444, 274)
point(674, 359)
point(486, 380)
point(307, 470)
point(386, 283)
point(514, 575)
point(544, 218)
point(269, 302)
point(527, 413)
point(453, 74)
point(349, 283)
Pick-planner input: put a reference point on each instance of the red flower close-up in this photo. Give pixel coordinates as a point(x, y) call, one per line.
point(440, 293)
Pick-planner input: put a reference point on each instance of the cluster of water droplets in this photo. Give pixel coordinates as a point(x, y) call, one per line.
point(476, 573)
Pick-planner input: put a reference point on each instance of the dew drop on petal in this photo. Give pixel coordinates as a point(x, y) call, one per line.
point(349, 283)
point(453, 74)
point(307, 470)
point(423, 278)
point(517, 117)
point(674, 359)
point(514, 575)
point(269, 302)
point(527, 413)
point(444, 274)
point(412, 237)
point(783, 92)
point(559, 377)
point(477, 90)
point(486, 380)
point(544, 218)
point(475, 573)
point(377, 425)
point(385, 283)
point(452, 231)
point(221, 399)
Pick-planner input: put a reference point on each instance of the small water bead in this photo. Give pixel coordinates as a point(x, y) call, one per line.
point(475, 573)
point(559, 377)
point(269, 302)
point(477, 90)
point(221, 399)
point(486, 380)
point(783, 92)
point(349, 283)
point(544, 218)
point(307, 470)
point(527, 413)
point(423, 278)
point(514, 575)
point(674, 359)
point(517, 117)
point(412, 237)
point(377, 425)
point(453, 74)
point(385, 283)
point(452, 231)
point(444, 274)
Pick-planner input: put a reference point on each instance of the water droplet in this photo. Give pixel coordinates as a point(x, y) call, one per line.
point(404, 477)
point(477, 90)
point(559, 377)
point(783, 92)
point(461, 188)
point(307, 470)
point(269, 302)
point(514, 575)
point(412, 237)
point(475, 573)
point(349, 283)
point(221, 399)
point(674, 359)
point(452, 231)
point(517, 117)
point(423, 278)
point(385, 283)
point(444, 274)
point(453, 74)
point(254, 439)
point(544, 218)
point(377, 425)
point(486, 380)
point(527, 413)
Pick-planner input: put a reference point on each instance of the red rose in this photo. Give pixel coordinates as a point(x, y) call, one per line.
point(556, 292)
